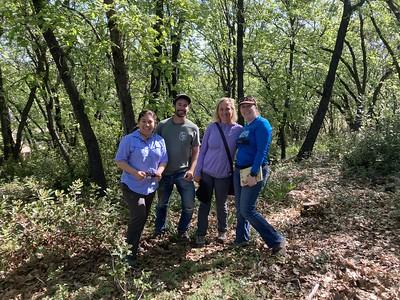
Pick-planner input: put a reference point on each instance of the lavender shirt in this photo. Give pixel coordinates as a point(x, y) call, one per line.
point(212, 158)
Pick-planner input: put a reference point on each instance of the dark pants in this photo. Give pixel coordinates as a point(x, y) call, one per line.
point(221, 187)
point(138, 213)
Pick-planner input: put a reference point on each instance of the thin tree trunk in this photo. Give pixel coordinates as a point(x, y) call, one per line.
point(23, 122)
point(388, 47)
point(377, 90)
point(49, 110)
point(155, 78)
point(312, 134)
point(8, 142)
point(55, 136)
point(286, 106)
point(32, 94)
point(395, 8)
point(239, 53)
point(57, 112)
point(175, 50)
point(120, 71)
point(96, 170)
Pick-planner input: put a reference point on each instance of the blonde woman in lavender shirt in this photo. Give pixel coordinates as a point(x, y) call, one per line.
point(213, 168)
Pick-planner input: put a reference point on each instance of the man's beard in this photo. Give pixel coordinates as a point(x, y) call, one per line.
point(180, 113)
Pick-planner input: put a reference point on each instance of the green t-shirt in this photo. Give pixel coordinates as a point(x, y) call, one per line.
point(179, 139)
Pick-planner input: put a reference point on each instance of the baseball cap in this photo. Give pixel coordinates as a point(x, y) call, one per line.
point(182, 96)
point(248, 100)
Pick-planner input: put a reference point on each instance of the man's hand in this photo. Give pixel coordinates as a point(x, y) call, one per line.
point(188, 175)
point(158, 175)
point(197, 178)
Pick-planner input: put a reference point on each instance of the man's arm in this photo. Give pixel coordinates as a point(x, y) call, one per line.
point(195, 156)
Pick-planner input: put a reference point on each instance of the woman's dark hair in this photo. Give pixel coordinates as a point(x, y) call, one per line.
point(147, 112)
point(142, 114)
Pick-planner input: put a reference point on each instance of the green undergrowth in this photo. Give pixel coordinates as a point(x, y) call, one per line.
point(68, 241)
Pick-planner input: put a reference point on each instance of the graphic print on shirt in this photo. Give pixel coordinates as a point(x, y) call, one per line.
point(183, 136)
point(244, 137)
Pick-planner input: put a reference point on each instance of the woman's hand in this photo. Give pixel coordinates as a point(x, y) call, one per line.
point(140, 175)
point(197, 178)
point(251, 181)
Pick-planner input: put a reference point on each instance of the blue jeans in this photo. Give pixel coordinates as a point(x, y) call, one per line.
point(246, 213)
point(185, 190)
point(221, 187)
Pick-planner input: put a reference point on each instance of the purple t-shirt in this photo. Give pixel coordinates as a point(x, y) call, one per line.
point(142, 155)
point(212, 158)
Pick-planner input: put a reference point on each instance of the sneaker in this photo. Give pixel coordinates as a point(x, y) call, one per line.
point(280, 249)
point(221, 237)
point(200, 241)
point(183, 236)
point(158, 234)
point(237, 244)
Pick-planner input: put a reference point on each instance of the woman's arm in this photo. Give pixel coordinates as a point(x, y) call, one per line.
point(123, 165)
point(202, 154)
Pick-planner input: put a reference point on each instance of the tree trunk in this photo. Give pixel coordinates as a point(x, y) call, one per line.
point(395, 8)
point(155, 78)
point(388, 47)
point(239, 53)
point(23, 122)
point(312, 134)
point(286, 106)
point(175, 49)
point(377, 90)
point(8, 142)
point(120, 70)
point(96, 171)
point(55, 136)
point(32, 94)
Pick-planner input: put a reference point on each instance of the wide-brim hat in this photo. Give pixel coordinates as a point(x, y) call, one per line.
point(182, 96)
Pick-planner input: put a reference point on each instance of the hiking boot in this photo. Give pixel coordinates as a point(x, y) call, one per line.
point(280, 249)
point(158, 234)
point(183, 236)
point(132, 261)
point(241, 244)
point(200, 241)
point(221, 237)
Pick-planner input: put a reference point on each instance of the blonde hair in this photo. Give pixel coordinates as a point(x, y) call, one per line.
point(231, 101)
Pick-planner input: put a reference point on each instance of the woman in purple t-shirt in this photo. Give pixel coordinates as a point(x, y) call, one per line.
point(213, 170)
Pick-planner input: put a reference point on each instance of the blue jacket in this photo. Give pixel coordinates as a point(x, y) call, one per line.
point(253, 145)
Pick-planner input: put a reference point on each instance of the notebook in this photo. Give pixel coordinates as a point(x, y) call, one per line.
point(245, 172)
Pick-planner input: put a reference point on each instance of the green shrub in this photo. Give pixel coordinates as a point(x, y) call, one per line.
point(376, 153)
point(58, 230)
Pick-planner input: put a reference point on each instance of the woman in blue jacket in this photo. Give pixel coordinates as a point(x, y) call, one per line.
point(252, 154)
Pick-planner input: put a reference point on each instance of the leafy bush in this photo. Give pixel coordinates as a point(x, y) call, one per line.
point(376, 153)
point(60, 236)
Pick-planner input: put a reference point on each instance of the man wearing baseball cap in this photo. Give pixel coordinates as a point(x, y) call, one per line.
point(182, 139)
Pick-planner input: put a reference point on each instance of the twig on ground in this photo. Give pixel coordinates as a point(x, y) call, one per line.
point(313, 291)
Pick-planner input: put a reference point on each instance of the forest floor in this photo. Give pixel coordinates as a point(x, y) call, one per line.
point(343, 243)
